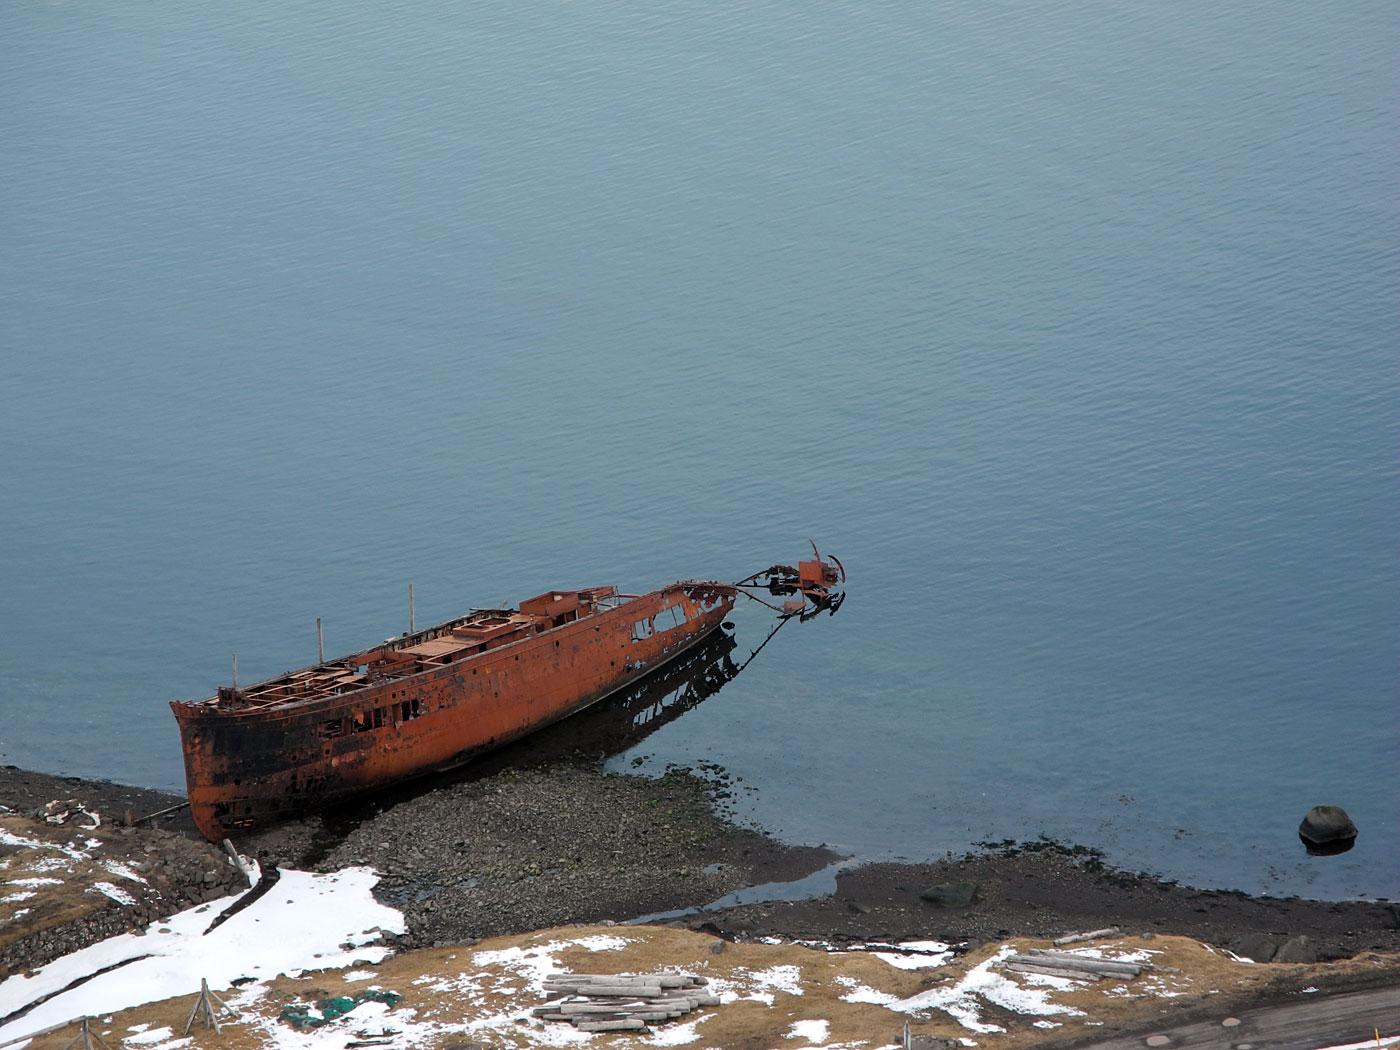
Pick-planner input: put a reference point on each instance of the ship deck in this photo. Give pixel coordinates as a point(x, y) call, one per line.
point(478, 632)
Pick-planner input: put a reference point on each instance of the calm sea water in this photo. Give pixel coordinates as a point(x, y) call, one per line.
point(1070, 328)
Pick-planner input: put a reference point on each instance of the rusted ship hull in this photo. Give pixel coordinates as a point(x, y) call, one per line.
point(427, 701)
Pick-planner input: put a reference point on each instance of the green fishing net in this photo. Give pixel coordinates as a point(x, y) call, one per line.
point(301, 1015)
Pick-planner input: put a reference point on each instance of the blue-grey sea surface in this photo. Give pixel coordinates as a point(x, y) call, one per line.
point(1070, 327)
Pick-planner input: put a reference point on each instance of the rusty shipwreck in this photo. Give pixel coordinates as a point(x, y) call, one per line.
point(435, 698)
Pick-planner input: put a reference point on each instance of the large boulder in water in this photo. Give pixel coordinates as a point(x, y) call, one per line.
point(1327, 826)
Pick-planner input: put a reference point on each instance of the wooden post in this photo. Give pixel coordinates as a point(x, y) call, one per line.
point(204, 1008)
point(35, 1035)
point(86, 1037)
point(235, 672)
point(410, 608)
point(320, 643)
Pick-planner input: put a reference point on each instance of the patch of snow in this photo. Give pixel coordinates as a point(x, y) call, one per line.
point(155, 1035)
point(780, 978)
point(9, 838)
point(677, 1034)
point(541, 1033)
point(1384, 1040)
point(923, 946)
point(981, 983)
point(814, 1032)
point(758, 986)
point(15, 898)
point(122, 871)
point(602, 942)
point(359, 975)
point(918, 956)
point(172, 1042)
point(20, 914)
point(536, 963)
point(1049, 980)
point(117, 894)
point(35, 882)
point(861, 993)
point(301, 927)
point(1147, 985)
point(525, 970)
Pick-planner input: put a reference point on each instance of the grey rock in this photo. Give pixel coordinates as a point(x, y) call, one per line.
point(951, 894)
point(1296, 950)
point(1257, 946)
point(1325, 825)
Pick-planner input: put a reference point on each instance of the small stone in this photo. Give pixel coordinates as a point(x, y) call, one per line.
point(1230, 1022)
point(716, 947)
point(1159, 1040)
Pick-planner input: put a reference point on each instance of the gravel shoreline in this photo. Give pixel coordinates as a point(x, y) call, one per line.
point(506, 849)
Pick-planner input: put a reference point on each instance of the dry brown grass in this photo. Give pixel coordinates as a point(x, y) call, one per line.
point(51, 905)
point(453, 987)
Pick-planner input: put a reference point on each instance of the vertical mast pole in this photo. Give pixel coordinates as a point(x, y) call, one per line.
point(410, 608)
point(235, 672)
point(320, 643)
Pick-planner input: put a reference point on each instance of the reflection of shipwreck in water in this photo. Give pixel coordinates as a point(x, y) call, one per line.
point(628, 717)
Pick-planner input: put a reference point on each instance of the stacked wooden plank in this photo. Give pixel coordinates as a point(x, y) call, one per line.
point(1092, 935)
point(1067, 964)
point(621, 1002)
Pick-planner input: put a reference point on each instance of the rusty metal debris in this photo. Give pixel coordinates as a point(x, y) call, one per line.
point(815, 579)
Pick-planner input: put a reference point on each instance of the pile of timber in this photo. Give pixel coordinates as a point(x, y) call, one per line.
point(621, 1002)
point(1067, 964)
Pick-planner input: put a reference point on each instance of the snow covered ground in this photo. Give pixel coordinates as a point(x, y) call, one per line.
point(808, 997)
point(303, 922)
